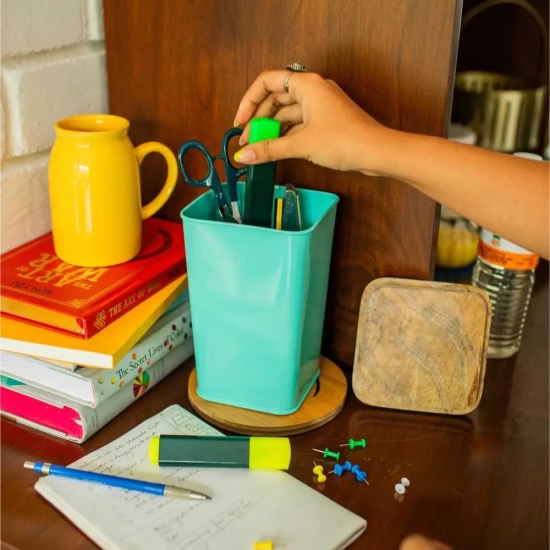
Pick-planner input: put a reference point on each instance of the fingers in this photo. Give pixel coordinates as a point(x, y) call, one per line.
point(268, 82)
point(267, 108)
point(267, 151)
point(418, 542)
point(272, 103)
point(290, 115)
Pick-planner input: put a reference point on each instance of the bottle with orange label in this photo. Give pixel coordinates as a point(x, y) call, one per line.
point(507, 273)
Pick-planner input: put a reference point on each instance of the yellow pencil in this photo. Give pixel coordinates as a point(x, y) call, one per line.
point(279, 218)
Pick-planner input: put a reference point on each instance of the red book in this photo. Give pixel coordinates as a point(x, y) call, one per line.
point(39, 288)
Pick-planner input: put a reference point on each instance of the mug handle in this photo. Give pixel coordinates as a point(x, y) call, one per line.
point(169, 185)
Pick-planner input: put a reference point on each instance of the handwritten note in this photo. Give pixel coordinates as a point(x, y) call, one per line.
point(247, 505)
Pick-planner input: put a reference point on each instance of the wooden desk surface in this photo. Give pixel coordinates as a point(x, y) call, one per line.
point(477, 482)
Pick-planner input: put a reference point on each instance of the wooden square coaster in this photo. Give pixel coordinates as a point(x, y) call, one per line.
point(421, 346)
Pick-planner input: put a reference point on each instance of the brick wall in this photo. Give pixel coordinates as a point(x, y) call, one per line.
point(53, 66)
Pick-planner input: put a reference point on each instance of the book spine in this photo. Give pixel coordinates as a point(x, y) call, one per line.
point(113, 307)
point(62, 418)
point(162, 339)
point(95, 418)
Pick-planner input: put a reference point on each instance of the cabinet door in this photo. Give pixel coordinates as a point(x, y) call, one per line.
point(178, 69)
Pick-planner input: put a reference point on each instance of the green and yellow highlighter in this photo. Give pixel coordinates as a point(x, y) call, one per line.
point(258, 453)
point(260, 178)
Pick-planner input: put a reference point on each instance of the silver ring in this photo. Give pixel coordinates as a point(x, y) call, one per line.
point(293, 68)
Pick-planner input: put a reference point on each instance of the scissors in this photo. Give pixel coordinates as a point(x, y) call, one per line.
point(212, 179)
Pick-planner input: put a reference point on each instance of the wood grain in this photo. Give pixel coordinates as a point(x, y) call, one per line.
point(324, 402)
point(177, 70)
point(422, 346)
point(478, 482)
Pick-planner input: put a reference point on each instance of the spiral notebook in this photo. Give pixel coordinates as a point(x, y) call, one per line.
point(247, 505)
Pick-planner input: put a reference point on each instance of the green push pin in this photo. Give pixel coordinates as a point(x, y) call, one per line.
point(328, 452)
point(352, 443)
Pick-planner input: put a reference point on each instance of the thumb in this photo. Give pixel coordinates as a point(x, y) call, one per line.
point(266, 151)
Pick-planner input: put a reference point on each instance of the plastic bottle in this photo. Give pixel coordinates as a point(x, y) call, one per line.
point(507, 273)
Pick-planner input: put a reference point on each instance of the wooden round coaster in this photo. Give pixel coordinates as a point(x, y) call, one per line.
point(324, 402)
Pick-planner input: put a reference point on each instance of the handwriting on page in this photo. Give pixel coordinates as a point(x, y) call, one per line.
point(143, 518)
point(247, 505)
point(173, 531)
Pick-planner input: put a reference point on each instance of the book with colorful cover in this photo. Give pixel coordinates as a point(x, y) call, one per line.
point(39, 288)
point(105, 349)
point(91, 387)
point(63, 366)
point(72, 421)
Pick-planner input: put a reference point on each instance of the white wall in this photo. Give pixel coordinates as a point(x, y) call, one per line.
point(53, 66)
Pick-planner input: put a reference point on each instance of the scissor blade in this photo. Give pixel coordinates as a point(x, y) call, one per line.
point(226, 215)
point(236, 213)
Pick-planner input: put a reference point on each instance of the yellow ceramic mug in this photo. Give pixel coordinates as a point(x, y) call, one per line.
point(95, 193)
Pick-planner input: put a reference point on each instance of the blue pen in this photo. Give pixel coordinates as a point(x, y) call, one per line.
point(114, 481)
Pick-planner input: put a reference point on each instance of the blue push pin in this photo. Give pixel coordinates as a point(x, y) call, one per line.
point(347, 465)
point(361, 476)
point(338, 470)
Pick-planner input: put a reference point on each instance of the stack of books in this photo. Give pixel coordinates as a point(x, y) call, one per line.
point(78, 345)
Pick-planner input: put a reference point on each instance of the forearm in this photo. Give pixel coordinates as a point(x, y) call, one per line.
point(505, 194)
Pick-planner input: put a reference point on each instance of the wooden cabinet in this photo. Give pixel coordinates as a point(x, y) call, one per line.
point(177, 69)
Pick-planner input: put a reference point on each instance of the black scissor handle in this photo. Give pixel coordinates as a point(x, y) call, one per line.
point(230, 134)
point(207, 181)
point(232, 173)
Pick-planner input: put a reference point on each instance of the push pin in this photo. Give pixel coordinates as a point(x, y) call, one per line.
point(318, 469)
point(328, 452)
point(263, 545)
point(321, 478)
point(338, 470)
point(355, 443)
point(361, 476)
point(399, 489)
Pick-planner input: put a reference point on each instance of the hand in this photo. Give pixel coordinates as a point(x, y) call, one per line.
point(319, 122)
point(418, 542)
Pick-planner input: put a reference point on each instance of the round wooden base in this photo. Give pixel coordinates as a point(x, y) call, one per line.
point(323, 403)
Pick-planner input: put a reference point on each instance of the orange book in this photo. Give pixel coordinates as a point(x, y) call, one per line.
point(38, 288)
point(105, 349)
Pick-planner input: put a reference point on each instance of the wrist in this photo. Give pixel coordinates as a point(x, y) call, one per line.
point(381, 151)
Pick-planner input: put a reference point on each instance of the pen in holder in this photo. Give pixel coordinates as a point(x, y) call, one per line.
point(258, 299)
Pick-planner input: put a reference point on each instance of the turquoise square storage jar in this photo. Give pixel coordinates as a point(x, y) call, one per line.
point(258, 299)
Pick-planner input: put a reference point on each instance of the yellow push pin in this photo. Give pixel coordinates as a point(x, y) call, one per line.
point(318, 470)
point(263, 545)
point(321, 478)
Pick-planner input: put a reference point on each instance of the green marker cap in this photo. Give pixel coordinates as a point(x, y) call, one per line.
point(264, 128)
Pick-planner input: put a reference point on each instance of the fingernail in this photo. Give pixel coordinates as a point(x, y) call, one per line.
point(241, 141)
point(235, 123)
point(245, 155)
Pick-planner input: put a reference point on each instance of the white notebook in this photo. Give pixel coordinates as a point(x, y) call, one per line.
point(247, 505)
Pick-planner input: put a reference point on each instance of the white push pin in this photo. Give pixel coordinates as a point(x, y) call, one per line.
point(405, 482)
point(399, 488)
